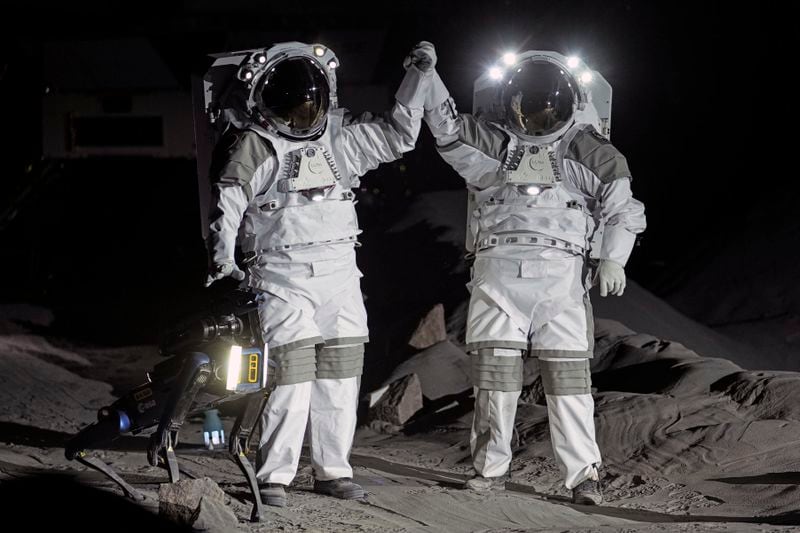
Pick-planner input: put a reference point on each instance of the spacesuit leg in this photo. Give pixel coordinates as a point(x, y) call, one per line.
point(496, 341)
point(497, 375)
point(570, 409)
point(291, 334)
point(340, 361)
point(331, 427)
point(563, 344)
point(283, 424)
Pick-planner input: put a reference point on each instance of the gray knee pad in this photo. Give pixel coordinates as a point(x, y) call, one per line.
point(295, 366)
point(566, 377)
point(494, 372)
point(340, 362)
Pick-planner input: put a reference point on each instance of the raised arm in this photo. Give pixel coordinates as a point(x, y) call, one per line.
point(474, 148)
point(242, 165)
point(370, 140)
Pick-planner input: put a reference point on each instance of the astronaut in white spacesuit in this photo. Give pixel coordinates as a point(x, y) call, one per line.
point(281, 177)
point(544, 184)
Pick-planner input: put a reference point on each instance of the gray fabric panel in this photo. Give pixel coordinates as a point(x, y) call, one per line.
point(351, 119)
point(562, 353)
point(302, 343)
point(296, 366)
point(340, 362)
point(596, 153)
point(587, 303)
point(587, 274)
point(482, 136)
point(514, 345)
point(566, 377)
point(449, 147)
point(339, 341)
point(237, 156)
point(439, 120)
point(496, 373)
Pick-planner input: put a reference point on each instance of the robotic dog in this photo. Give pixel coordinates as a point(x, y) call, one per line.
point(210, 361)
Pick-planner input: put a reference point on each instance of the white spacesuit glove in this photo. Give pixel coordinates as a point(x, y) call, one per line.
point(217, 271)
point(423, 55)
point(611, 277)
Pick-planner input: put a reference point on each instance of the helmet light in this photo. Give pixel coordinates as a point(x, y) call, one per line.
point(509, 58)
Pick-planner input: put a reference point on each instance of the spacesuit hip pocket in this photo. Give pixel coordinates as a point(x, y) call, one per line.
point(323, 268)
point(531, 268)
point(328, 267)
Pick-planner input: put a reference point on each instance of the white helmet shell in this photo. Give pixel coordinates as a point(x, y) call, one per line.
point(592, 91)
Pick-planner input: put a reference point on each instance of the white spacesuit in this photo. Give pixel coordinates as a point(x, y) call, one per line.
point(544, 184)
point(282, 176)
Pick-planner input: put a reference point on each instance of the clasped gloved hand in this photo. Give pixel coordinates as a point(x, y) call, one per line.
point(611, 277)
point(217, 271)
point(423, 55)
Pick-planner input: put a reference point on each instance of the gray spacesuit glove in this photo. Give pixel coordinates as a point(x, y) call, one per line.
point(611, 277)
point(217, 271)
point(423, 55)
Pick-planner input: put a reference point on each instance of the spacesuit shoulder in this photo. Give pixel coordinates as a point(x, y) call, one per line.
point(483, 136)
point(596, 153)
point(237, 156)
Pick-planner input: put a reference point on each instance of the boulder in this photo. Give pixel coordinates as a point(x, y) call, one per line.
point(401, 400)
point(443, 369)
point(431, 329)
point(198, 503)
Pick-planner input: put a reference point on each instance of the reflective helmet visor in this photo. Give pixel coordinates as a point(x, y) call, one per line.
point(538, 98)
point(294, 97)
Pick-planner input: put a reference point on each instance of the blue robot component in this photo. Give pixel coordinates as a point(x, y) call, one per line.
point(210, 361)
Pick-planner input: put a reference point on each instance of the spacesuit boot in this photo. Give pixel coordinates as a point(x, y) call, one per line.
point(342, 488)
point(588, 491)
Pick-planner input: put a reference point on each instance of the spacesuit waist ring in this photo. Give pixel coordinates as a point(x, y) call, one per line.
point(528, 239)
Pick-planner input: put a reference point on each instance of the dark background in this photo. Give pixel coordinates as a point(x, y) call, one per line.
point(113, 246)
